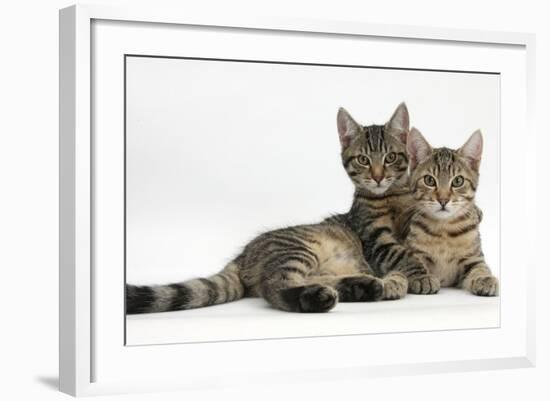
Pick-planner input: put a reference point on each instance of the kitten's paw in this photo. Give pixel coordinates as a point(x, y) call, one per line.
point(395, 285)
point(360, 289)
point(485, 286)
point(425, 284)
point(317, 298)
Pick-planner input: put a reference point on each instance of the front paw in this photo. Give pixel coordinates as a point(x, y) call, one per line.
point(317, 298)
point(360, 289)
point(485, 286)
point(395, 286)
point(424, 284)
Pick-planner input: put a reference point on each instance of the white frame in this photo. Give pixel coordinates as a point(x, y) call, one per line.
point(76, 219)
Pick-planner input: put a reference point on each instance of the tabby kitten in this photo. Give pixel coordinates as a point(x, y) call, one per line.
point(306, 268)
point(444, 231)
point(375, 158)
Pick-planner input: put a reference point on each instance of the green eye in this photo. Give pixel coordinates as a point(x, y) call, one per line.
point(364, 160)
point(390, 157)
point(458, 181)
point(429, 180)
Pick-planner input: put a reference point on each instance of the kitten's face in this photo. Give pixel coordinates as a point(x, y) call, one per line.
point(443, 180)
point(375, 157)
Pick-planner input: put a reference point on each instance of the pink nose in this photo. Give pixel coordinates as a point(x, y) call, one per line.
point(378, 178)
point(443, 201)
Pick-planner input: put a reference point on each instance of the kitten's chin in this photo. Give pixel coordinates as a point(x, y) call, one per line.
point(441, 214)
point(377, 190)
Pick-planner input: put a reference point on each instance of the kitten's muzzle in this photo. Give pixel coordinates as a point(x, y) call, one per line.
point(443, 202)
point(377, 173)
point(378, 178)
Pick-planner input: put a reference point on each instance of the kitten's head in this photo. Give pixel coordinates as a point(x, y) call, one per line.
point(375, 156)
point(443, 180)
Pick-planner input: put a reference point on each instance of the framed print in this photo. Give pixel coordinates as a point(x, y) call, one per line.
point(271, 190)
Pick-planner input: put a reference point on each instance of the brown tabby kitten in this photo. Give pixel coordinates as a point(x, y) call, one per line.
point(306, 268)
point(444, 229)
point(375, 158)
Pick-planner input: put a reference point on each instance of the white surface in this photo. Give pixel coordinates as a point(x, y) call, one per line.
point(450, 309)
point(220, 151)
point(119, 368)
point(30, 218)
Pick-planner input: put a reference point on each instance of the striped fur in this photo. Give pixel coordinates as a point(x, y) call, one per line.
point(382, 198)
point(306, 268)
point(220, 288)
point(443, 231)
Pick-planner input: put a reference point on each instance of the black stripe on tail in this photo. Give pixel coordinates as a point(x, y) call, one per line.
point(142, 299)
point(223, 287)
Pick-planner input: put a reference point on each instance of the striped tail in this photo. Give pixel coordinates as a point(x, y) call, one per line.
point(225, 286)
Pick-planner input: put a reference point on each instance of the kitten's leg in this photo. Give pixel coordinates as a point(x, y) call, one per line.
point(421, 280)
point(396, 285)
point(367, 288)
point(286, 288)
point(354, 288)
point(476, 277)
point(383, 250)
point(385, 253)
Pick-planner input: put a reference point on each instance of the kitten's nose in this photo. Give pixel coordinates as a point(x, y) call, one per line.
point(443, 201)
point(378, 178)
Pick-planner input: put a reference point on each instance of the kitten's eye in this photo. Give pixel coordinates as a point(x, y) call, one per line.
point(390, 157)
point(429, 180)
point(364, 160)
point(458, 181)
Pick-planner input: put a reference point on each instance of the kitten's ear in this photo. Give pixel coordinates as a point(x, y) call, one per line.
point(347, 127)
point(399, 122)
point(472, 150)
point(418, 148)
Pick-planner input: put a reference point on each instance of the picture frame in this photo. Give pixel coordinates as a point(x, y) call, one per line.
point(94, 40)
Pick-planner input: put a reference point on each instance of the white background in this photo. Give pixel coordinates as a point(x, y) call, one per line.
point(220, 151)
point(28, 161)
